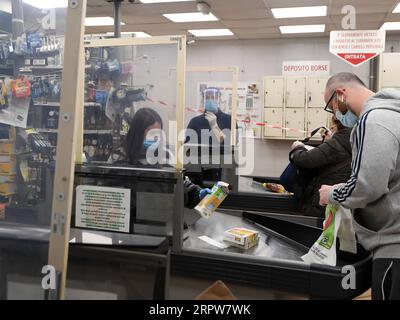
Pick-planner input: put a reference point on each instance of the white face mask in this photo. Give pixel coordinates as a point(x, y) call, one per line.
point(349, 119)
point(153, 138)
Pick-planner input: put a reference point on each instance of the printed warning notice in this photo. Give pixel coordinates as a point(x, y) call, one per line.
point(357, 46)
point(103, 208)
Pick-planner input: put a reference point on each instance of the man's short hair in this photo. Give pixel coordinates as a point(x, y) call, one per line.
point(343, 78)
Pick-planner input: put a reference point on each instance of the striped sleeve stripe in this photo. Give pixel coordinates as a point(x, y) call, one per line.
point(350, 186)
point(342, 194)
point(353, 179)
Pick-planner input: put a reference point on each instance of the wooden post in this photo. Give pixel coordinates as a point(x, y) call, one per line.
point(80, 107)
point(71, 98)
point(234, 104)
point(180, 101)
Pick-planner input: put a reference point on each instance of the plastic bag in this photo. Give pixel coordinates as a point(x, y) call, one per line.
point(324, 249)
point(346, 232)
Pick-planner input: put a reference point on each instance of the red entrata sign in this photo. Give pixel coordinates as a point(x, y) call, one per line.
point(356, 58)
point(357, 46)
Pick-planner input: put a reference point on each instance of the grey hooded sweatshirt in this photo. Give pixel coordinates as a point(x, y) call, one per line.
point(373, 190)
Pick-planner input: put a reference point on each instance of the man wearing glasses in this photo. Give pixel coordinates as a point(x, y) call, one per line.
point(373, 190)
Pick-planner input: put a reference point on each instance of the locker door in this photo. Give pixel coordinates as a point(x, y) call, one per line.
point(294, 119)
point(273, 89)
point(316, 90)
point(316, 118)
point(295, 92)
point(390, 70)
point(273, 116)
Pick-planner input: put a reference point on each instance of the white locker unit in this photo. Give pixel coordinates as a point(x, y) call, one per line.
point(273, 116)
point(295, 93)
point(389, 70)
point(274, 92)
point(294, 119)
point(316, 90)
point(296, 103)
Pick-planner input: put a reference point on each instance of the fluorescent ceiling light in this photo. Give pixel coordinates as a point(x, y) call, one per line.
point(211, 32)
point(138, 34)
point(5, 6)
point(99, 21)
point(47, 4)
point(391, 26)
point(190, 17)
point(397, 9)
point(300, 12)
point(162, 1)
point(302, 29)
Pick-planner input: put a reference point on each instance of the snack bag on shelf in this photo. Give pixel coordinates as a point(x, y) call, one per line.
point(21, 88)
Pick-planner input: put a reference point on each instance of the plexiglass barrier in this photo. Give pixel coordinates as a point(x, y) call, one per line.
point(31, 60)
point(130, 104)
point(128, 188)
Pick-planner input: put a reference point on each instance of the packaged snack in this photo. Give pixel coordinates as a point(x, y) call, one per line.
point(8, 168)
point(274, 187)
point(101, 96)
point(2, 210)
point(21, 88)
point(7, 188)
point(7, 147)
point(3, 95)
point(211, 202)
point(242, 238)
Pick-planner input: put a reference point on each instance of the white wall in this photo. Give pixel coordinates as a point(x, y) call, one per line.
point(258, 58)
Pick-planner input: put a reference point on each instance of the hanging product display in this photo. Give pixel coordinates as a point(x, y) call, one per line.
point(21, 88)
point(108, 83)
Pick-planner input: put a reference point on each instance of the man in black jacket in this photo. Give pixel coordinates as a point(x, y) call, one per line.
point(330, 163)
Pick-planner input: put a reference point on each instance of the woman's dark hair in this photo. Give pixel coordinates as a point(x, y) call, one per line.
point(337, 123)
point(142, 119)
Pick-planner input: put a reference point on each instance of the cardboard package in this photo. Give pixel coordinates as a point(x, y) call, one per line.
point(217, 291)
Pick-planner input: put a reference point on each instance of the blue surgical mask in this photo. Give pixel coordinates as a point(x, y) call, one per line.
point(153, 144)
point(211, 106)
point(349, 119)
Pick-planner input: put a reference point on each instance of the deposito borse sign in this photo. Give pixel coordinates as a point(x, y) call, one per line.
point(306, 68)
point(357, 46)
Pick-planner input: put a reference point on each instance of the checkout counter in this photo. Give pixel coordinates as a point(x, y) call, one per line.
point(104, 263)
point(274, 265)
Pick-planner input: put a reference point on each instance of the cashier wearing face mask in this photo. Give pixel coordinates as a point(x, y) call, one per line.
point(145, 134)
point(373, 190)
point(213, 119)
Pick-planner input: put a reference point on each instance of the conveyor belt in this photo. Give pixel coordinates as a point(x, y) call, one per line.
point(275, 265)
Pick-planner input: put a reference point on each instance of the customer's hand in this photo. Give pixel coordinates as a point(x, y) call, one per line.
point(212, 119)
point(326, 134)
point(324, 194)
point(203, 193)
point(297, 144)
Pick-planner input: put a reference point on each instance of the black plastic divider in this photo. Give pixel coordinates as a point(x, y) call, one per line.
point(260, 202)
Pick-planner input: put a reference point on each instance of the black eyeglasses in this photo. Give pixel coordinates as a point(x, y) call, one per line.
point(329, 107)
